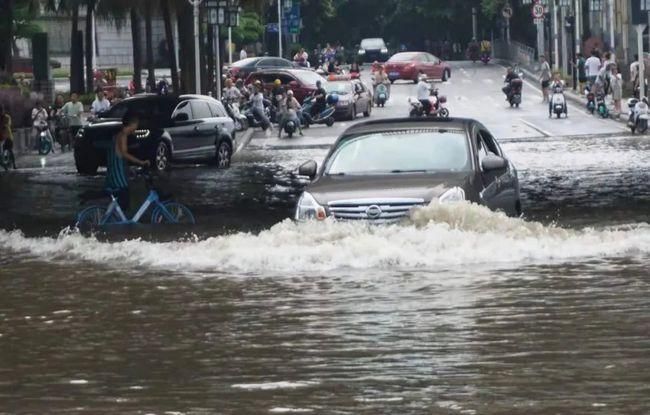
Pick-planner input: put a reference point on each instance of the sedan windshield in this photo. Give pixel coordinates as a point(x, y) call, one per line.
point(395, 152)
point(403, 57)
point(245, 62)
point(340, 88)
point(372, 44)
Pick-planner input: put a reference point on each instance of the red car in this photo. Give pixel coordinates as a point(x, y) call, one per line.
point(407, 65)
point(301, 81)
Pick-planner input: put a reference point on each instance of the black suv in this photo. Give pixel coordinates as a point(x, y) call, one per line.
point(179, 128)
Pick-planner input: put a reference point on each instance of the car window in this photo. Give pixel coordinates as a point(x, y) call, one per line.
point(244, 62)
point(118, 111)
point(183, 107)
point(490, 143)
point(403, 57)
point(161, 114)
point(217, 109)
point(340, 88)
point(280, 63)
point(399, 152)
point(372, 44)
point(200, 110)
point(434, 59)
point(481, 150)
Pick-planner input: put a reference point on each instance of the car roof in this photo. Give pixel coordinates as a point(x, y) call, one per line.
point(406, 123)
point(290, 70)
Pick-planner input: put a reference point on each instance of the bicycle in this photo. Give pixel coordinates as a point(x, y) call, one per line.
point(164, 212)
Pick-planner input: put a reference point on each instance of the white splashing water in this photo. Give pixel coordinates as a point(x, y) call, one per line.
point(435, 237)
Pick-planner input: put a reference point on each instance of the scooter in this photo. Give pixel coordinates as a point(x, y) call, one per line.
point(437, 106)
point(601, 107)
point(381, 95)
point(290, 126)
point(485, 58)
point(591, 102)
point(252, 120)
point(638, 120)
point(558, 104)
point(240, 120)
point(326, 116)
point(45, 143)
point(514, 95)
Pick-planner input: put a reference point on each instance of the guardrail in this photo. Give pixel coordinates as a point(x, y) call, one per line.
point(516, 52)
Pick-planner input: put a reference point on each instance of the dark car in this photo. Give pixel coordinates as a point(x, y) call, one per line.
point(301, 81)
point(407, 65)
point(373, 49)
point(354, 98)
point(379, 170)
point(243, 68)
point(172, 128)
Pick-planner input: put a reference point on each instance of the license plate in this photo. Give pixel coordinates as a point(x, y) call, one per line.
point(393, 74)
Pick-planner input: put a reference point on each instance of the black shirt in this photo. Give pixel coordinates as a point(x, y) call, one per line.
point(321, 91)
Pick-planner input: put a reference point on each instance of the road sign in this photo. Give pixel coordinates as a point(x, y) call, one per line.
point(537, 10)
point(507, 12)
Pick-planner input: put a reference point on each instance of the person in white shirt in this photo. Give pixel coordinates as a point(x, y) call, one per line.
point(592, 66)
point(634, 71)
point(423, 92)
point(100, 104)
point(301, 58)
point(243, 54)
point(39, 121)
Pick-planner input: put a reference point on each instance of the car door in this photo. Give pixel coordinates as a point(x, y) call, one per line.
point(499, 190)
point(205, 131)
point(180, 130)
point(436, 67)
point(224, 122)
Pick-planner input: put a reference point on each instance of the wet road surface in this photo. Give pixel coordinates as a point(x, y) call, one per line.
point(458, 311)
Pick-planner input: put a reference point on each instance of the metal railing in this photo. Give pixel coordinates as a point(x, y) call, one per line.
point(516, 52)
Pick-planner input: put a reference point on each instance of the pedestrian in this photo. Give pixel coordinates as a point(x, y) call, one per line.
point(243, 54)
point(634, 72)
point(257, 107)
point(545, 77)
point(581, 72)
point(6, 135)
point(118, 156)
point(616, 84)
point(73, 110)
point(100, 104)
point(592, 65)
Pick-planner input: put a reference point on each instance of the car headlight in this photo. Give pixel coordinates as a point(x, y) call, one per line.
point(384, 50)
point(362, 52)
point(308, 208)
point(453, 195)
point(80, 133)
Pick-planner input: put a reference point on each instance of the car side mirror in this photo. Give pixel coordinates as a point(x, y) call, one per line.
point(308, 169)
point(493, 162)
point(181, 117)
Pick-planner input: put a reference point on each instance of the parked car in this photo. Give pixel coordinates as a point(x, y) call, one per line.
point(407, 65)
point(183, 128)
point(378, 171)
point(354, 97)
point(243, 68)
point(373, 49)
point(301, 81)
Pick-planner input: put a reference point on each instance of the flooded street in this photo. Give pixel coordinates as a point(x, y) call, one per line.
point(458, 310)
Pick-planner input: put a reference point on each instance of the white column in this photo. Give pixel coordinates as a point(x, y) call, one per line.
point(578, 21)
point(639, 38)
point(197, 58)
point(94, 40)
point(176, 40)
point(218, 59)
point(541, 50)
point(474, 23)
point(280, 28)
point(556, 43)
point(612, 18)
point(565, 52)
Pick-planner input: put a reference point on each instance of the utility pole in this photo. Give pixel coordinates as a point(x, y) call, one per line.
point(556, 43)
point(229, 45)
point(280, 28)
point(611, 26)
point(578, 14)
point(197, 59)
point(565, 51)
point(474, 23)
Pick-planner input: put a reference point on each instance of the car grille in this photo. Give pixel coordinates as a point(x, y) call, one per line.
point(373, 210)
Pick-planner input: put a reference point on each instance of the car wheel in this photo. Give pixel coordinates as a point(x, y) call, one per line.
point(445, 75)
point(85, 158)
point(223, 156)
point(161, 157)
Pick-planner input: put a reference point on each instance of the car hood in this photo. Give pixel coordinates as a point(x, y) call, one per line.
point(419, 186)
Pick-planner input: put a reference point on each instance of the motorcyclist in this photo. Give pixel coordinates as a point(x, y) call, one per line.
point(257, 106)
point(556, 83)
point(320, 97)
point(510, 75)
point(473, 50)
point(380, 78)
point(39, 121)
point(231, 93)
point(301, 58)
point(277, 92)
point(423, 93)
point(486, 48)
point(289, 110)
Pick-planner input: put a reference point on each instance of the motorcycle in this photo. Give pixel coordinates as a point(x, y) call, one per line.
point(514, 94)
point(240, 120)
point(437, 106)
point(485, 58)
point(326, 116)
point(637, 89)
point(247, 110)
point(601, 107)
point(381, 95)
point(7, 159)
point(45, 143)
point(558, 104)
point(290, 126)
point(638, 120)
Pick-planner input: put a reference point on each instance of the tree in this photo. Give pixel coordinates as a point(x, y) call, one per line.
point(169, 37)
point(249, 30)
point(137, 54)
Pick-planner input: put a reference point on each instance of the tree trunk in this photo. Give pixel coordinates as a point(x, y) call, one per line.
point(6, 23)
point(76, 54)
point(90, 7)
point(137, 55)
point(186, 46)
point(169, 35)
point(151, 76)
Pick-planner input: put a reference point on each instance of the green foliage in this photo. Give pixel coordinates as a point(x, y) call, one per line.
point(250, 28)
point(492, 7)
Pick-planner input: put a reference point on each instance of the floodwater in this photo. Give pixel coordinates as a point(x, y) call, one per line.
point(458, 310)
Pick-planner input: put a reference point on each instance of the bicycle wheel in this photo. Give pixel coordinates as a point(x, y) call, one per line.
point(94, 217)
point(44, 148)
point(173, 213)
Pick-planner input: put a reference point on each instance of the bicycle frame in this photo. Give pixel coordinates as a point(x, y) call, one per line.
point(152, 199)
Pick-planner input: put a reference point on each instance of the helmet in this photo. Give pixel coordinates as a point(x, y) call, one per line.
point(290, 93)
point(332, 99)
point(258, 83)
point(277, 82)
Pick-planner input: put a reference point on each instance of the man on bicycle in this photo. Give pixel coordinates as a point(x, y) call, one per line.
point(117, 181)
